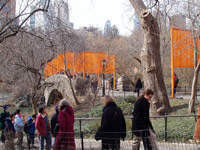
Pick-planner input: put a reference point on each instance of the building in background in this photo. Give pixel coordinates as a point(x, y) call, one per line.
point(8, 11)
point(178, 21)
point(57, 15)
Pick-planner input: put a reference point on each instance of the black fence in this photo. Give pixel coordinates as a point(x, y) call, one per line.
point(170, 135)
point(173, 132)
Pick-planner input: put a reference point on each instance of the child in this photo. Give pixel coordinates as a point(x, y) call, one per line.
point(19, 127)
point(9, 131)
point(31, 127)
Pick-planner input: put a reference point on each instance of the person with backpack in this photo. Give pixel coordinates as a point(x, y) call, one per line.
point(113, 125)
point(30, 129)
point(9, 132)
point(54, 124)
point(19, 128)
point(43, 128)
point(5, 114)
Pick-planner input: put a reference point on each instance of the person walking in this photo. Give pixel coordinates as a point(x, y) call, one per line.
point(5, 114)
point(31, 129)
point(138, 86)
point(142, 127)
point(176, 81)
point(65, 137)
point(54, 124)
point(113, 126)
point(43, 128)
point(111, 83)
point(9, 132)
point(19, 128)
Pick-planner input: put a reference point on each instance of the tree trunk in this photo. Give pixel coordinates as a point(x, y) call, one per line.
point(34, 104)
point(151, 64)
point(194, 86)
point(69, 77)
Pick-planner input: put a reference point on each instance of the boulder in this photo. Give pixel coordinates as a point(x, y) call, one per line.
point(60, 83)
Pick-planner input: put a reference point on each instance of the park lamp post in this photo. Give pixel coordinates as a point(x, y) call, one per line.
point(103, 89)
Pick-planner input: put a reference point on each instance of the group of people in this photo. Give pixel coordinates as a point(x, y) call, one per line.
point(62, 128)
point(113, 125)
point(111, 130)
point(11, 125)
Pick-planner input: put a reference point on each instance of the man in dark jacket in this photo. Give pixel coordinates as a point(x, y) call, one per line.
point(9, 132)
point(55, 125)
point(138, 86)
point(4, 115)
point(142, 127)
point(113, 126)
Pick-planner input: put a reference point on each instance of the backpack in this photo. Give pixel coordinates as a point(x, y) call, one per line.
point(26, 127)
point(176, 80)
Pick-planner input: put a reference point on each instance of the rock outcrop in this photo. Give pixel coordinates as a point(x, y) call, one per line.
point(60, 83)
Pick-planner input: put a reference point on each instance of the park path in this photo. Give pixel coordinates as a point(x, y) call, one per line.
point(91, 144)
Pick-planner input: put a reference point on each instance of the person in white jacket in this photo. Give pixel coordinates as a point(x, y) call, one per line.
point(19, 128)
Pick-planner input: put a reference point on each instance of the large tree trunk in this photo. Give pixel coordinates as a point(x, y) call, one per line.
point(151, 64)
point(194, 86)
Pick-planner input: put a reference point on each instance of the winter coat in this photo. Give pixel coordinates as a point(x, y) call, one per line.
point(113, 126)
point(65, 134)
point(138, 84)
point(9, 126)
point(31, 125)
point(4, 115)
point(141, 121)
point(19, 124)
point(40, 125)
point(54, 121)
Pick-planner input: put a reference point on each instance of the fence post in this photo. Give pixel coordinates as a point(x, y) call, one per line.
point(185, 90)
point(165, 126)
point(81, 135)
point(124, 93)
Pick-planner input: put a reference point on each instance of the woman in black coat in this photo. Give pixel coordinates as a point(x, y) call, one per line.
point(113, 126)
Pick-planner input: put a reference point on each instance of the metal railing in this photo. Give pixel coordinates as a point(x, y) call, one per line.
point(165, 136)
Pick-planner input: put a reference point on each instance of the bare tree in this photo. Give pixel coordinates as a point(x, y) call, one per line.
point(193, 16)
point(11, 22)
point(150, 54)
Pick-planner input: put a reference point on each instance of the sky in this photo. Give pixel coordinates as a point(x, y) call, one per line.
point(97, 12)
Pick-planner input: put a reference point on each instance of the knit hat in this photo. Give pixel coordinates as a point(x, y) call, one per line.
point(5, 107)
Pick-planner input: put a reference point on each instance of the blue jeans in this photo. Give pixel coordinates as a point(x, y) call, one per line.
point(48, 142)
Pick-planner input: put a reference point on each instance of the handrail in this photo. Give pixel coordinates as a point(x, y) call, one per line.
point(130, 117)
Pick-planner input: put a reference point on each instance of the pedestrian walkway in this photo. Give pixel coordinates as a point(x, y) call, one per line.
point(117, 93)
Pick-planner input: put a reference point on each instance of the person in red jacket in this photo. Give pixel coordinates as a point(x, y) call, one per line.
point(43, 127)
point(65, 136)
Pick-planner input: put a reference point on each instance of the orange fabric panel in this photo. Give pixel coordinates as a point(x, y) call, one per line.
point(183, 48)
point(86, 62)
point(69, 60)
point(78, 62)
point(61, 66)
